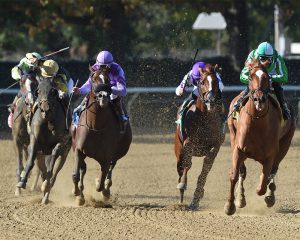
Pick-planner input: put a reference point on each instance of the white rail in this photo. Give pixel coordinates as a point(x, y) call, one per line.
point(166, 89)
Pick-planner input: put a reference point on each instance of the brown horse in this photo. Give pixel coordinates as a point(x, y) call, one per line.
point(202, 132)
point(257, 133)
point(98, 136)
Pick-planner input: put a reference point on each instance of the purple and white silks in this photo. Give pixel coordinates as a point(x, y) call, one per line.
point(117, 81)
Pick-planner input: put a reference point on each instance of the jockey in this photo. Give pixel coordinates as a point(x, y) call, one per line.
point(26, 70)
point(117, 82)
point(50, 69)
point(277, 70)
point(191, 79)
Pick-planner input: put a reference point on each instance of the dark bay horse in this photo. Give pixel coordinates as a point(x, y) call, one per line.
point(20, 131)
point(48, 136)
point(257, 133)
point(202, 133)
point(98, 136)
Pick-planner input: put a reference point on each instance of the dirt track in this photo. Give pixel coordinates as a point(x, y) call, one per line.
point(144, 200)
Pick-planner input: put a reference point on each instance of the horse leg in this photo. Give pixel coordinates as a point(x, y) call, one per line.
point(100, 186)
point(18, 149)
point(47, 184)
point(270, 196)
point(238, 157)
point(40, 165)
point(78, 174)
point(183, 166)
point(32, 150)
point(240, 198)
point(207, 165)
point(108, 180)
point(267, 167)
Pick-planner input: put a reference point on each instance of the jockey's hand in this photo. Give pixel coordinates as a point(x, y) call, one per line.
point(181, 91)
point(75, 90)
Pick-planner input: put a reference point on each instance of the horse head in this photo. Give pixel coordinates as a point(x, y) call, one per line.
point(208, 86)
point(259, 84)
point(101, 86)
point(47, 97)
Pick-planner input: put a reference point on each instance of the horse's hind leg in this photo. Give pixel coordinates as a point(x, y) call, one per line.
point(78, 175)
point(240, 198)
point(207, 165)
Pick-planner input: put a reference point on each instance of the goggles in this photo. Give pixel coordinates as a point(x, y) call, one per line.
point(264, 59)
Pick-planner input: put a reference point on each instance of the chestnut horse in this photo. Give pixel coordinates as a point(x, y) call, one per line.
point(257, 133)
point(98, 136)
point(202, 132)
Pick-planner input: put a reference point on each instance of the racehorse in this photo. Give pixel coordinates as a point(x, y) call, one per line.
point(98, 136)
point(48, 136)
point(202, 132)
point(19, 129)
point(257, 133)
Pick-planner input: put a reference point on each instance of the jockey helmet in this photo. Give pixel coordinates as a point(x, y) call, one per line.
point(49, 68)
point(265, 49)
point(195, 70)
point(33, 55)
point(105, 58)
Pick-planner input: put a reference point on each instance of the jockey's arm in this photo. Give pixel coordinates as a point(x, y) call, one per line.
point(221, 85)
point(86, 87)
point(245, 75)
point(120, 88)
point(186, 81)
point(279, 74)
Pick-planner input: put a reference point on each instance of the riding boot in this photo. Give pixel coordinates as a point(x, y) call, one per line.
point(280, 96)
point(186, 102)
point(78, 110)
point(117, 106)
point(245, 93)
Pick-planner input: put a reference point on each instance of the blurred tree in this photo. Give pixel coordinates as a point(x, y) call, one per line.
point(137, 28)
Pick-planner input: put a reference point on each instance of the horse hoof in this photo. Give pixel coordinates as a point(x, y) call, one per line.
point(80, 200)
point(21, 184)
point(229, 208)
point(17, 192)
point(45, 199)
point(194, 206)
point(270, 201)
point(106, 195)
point(181, 186)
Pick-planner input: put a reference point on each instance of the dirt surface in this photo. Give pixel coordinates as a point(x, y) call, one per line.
point(144, 203)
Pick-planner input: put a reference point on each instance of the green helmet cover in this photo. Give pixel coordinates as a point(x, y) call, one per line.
point(265, 49)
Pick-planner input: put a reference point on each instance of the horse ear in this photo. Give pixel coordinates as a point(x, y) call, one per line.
point(217, 68)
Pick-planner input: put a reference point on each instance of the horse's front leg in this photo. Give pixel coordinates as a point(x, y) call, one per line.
point(266, 169)
point(238, 157)
point(184, 164)
point(207, 165)
point(78, 175)
point(108, 180)
point(19, 151)
point(101, 183)
point(32, 150)
point(240, 199)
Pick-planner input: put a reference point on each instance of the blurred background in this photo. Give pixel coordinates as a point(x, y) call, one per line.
point(154, 42)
